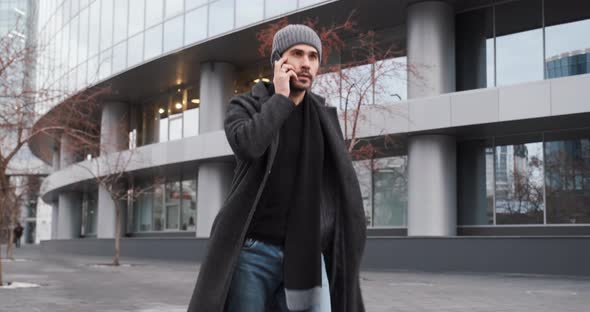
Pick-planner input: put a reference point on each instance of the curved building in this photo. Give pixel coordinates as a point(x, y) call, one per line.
point(483, 159)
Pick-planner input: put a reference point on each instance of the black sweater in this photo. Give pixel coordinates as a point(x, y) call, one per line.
point(270, 219)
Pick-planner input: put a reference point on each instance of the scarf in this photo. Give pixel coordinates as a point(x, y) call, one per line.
point(302, 250)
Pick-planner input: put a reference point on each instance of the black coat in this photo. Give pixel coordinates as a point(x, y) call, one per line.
point(252, 125)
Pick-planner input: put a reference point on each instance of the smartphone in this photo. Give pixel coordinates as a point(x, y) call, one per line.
point(275, 57)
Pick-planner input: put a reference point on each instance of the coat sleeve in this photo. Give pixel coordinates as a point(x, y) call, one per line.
point(249, 135)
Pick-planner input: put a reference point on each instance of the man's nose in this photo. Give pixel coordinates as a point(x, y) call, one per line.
point(305, 63)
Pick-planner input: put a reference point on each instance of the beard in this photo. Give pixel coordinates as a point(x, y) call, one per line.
point(299, 86)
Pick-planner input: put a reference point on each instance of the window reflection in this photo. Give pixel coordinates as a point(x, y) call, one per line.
point(475, 49)
point(567, 51)
point(166, 205)
point(475, 165)
point(519, 42)
point(519, 183)
point(383, 183)
point(568, 178)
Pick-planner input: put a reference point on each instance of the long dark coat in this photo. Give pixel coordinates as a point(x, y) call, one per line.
point(252, 124)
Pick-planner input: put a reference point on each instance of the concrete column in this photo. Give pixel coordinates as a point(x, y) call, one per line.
point(214, 180)
point(69, 207)
point(432, 174)
point(216, 89)
point(213, 185)
point(114, 134)
point(431, 48)
point(432, 190)
point(69, 216)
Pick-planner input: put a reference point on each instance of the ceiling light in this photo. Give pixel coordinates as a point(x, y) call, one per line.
point(161, 111)
point(265, 80)
point(195, 101)
point(257, 80)
point(178, 105)
point(178, 90)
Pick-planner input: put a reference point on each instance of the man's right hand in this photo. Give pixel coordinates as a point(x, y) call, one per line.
point(282, 75)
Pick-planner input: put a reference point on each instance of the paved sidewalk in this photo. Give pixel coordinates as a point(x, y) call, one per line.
point(73, 284)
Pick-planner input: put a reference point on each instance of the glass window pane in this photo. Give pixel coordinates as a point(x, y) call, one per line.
point(189, 205)
point(153, 42)
point(92, 70)
point(106, 24)
point(356, 86)
point(83, 37)
point(363, 173)
point(153, 12)
point(106, 63)
point(119, 56)
point(519, 184)
point(221, 15)
point(143, 211)
point(519, 42)
point(390, 187)
point(173, 205)
point(278, 7)
point(82, 75)
point(391, 78)
point(195, 26)
point(567, 178)
point(191, 4)
point(163, 127)
point(121, 20)
point(328, 86)
point(475, 49)
point(175, 127)
point(173, 7)
point(191, 122)
point(249, 11)
point(135, 51)
point(475, 180)
point(136, 16)
point(173, 33)
point(73, 58)
point(566, 50)
point(94, 33)
point(158, 207)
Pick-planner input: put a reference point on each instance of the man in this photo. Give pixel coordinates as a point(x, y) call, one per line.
point(291, 233)
point(18, 233)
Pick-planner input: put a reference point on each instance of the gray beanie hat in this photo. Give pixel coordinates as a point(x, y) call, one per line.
point(291, 35)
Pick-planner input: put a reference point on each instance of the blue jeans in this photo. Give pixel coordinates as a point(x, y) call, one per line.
point(258, 280)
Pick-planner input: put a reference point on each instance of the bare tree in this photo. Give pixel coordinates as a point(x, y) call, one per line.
point(111, 173)
point(28, 112)
point(355, 88)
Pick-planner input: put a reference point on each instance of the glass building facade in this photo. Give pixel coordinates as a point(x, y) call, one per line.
point(520, 41)
point(85, 42)
point(530, 179)
point(525, 180)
